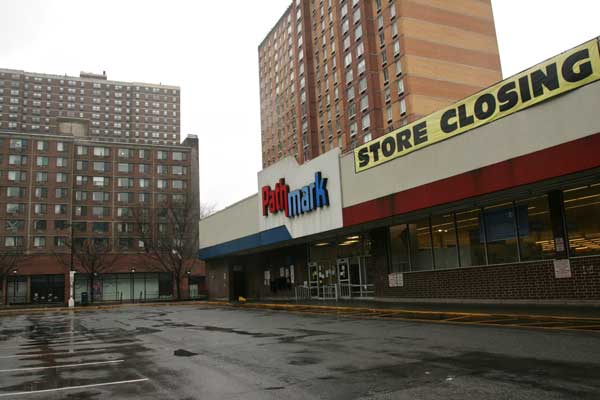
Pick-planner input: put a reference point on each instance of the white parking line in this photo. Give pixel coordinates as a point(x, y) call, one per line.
point(73, 387)
point(94, 350)
point(62, 366)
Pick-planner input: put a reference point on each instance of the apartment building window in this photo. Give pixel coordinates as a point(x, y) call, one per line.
point(161, 169)
point(144, 183)
point(15, 208)
point(100, 196)
point(60, 147)
point(61, 193)
point(179, 156)
point(396, 47)
point(361, 67)
point(40, 225)
point(124, 197)
point(80, 211)
point(13, 241)
point(388, 113)
point(81, 165)
point(60, 224)
point(125, 167)
point(350, 93)
point(82, 150)
point(124, 212)
point(101, 151)
point(144, 197)
point(143, 168)
point(13, 191)
point(161, 155)
point(17, 160)
point(394, 30)
point(100, 227)
point(61, 177)
point(356, 15)
point(42, 145)
point(178, 170)
point(101, 166)
point(41, 193)
point(60, 209)
point(18, 144)
point(360, 50)
point(81, 179)
point(358, 32)
point(178, 184)
point(100, 181)
point(14, 225)
point(402, 106)
point(400, 84)
point(80, 195)
point(398, 66)
point(125, 182)
point(125, 153)
point(100, 211)
point(143, 154)
point(60, 241)
point(353, 128)
point(366, 122)
point(41, 161)
point(161, 183)
point(41, 177)
point(39, 209)
point(364, 102)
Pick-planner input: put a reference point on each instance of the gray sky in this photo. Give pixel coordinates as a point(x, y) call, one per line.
point(209, 48)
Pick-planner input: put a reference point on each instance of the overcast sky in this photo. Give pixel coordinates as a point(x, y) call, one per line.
point(209, 49)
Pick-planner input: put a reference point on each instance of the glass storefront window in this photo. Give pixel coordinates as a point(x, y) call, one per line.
point(500, 234)
point(535, 228)
point(444, 241)
point(399, 236)
point(582, 214)
point(420, 245)
point(470, 238)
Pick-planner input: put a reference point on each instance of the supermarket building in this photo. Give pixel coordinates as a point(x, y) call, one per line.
point(495, 198)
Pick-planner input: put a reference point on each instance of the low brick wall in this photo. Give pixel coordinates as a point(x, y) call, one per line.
point(529, 280)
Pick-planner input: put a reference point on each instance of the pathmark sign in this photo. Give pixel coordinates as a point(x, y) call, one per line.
point(565, 72)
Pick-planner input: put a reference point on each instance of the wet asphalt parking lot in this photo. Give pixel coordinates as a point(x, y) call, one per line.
point(206, 352)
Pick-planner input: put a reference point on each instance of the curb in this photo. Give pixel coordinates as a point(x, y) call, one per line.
point(411, 314)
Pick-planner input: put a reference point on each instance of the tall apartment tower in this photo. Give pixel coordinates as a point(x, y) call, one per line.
point(338, 73)
point(79, 159)
point(89, 106)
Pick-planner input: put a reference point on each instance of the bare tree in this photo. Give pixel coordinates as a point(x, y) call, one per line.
point(207, 209)
point(10, 260)
point(170, 236)
point(90, 256)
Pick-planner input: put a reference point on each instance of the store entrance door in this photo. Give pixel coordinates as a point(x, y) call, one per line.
point(238, 283)
point(327, 280)
point(357, 281)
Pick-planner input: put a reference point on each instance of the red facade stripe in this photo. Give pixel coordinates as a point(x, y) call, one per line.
point(567, 158)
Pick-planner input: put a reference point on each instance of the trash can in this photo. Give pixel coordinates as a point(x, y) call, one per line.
point(84, 298)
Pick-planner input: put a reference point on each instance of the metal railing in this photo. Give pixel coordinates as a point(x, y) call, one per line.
point(302, 293)
point(349, 290)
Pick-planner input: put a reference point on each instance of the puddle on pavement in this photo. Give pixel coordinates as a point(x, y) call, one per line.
point(184, 353)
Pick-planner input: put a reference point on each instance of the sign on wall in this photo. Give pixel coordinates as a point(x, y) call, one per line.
point(565, 72)
point(297, 202)
point(305, 199)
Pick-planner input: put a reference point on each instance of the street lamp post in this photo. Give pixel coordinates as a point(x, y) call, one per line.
point(71, 270)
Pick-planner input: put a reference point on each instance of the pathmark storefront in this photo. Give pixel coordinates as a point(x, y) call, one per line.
point(495, 199)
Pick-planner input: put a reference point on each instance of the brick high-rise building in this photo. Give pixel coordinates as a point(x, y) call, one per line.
point(337, 73)
point(66, 180)
point(89, 106)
